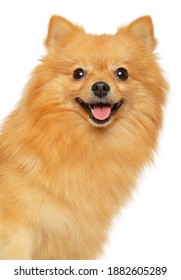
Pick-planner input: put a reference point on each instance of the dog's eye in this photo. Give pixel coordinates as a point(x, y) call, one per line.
point(121, 73)
point(79, 74)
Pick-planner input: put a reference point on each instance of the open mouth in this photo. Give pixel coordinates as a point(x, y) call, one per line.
point(100, 113)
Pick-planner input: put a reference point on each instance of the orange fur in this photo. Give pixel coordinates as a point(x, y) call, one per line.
point(62, 177)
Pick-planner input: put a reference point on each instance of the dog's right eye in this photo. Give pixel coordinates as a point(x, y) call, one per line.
point(79, 74)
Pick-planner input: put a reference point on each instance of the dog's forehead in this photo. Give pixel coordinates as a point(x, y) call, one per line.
point(99, 43)
point(98, 49)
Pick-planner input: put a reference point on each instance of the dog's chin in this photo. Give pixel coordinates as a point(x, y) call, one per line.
point(100, 125)
point(100, 113)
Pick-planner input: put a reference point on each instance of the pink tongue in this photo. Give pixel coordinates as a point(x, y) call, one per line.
point(101, 112)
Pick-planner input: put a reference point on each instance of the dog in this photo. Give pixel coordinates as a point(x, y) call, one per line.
point(73, 148)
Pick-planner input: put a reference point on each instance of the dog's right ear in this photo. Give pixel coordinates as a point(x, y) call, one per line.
point(58, 28)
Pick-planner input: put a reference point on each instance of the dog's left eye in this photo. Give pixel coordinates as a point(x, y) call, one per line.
point(79, 74)
point(121, 73)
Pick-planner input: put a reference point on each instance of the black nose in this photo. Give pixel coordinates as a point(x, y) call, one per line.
point(100, 89)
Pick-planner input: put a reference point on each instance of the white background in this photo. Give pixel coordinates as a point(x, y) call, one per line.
point(148, 230)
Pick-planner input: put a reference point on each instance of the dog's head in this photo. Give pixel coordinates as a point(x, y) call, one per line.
point(104, 78)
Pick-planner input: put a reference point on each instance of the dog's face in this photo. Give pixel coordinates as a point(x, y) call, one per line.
point(105, 78)
point(96, 79)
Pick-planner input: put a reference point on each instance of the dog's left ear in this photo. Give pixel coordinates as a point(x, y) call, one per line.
point(142, 29)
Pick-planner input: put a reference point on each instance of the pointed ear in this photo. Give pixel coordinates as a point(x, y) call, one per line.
point(142, 29)
point(58, 28)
